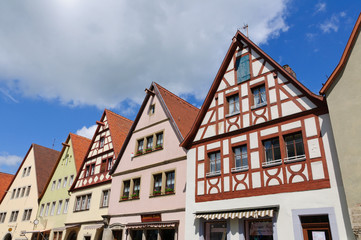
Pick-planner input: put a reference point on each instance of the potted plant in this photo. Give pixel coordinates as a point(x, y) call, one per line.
point(125, 197)
point(157, 192)
point(135, 196)
point(139, 152)
point(158, 147)
point(169, 190)
point(148, 149)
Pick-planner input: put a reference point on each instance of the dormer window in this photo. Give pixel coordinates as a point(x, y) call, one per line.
point(259, 96)
point(102, 140)
point(233, 104)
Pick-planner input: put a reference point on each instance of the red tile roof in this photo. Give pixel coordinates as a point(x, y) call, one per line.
point(80, 148)
point(119, 127)
point(45, 161)
point(5, 180)
point(345, 55)
point(183, 113)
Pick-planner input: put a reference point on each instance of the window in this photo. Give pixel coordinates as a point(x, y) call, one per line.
point(13, 194)
point(87, 169)
point(66, 204)
point(18, 192)
point(27, 214)
point(42, 210)
point(53, 185)
point(59, 207)
point(259, 96)
point(59, 184)
point(66, 159)
point(83, 202)
point(242, 68)
point(102, 140)
point(29, 168)
point(65, 182)
point(47, 209)
point(149, 143)
point(240, 158)
point(52, 208)
point(169, 182)
point(157, 187)
point(24, 172)
point(71, 180)
point(272, 152)
point(105, 198)
point(233, 104)
point(2, 217)
point(28, 190)
point(14, 216)
point(140, 146)
point(92, 168)
point(294, 147)
point(259, 229)
point(110, 161)
point(159, 143)
point(216, 230)
point(126, 189)
point(23, 192)
point(214, 163)
point(152, 109)
point(103, 165)
point(136, 188)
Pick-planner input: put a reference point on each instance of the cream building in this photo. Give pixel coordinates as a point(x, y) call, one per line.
point(20, 204)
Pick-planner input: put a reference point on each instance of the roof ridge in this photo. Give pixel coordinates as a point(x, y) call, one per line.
point(116, 114)
point(76, 135)
point(181, 99)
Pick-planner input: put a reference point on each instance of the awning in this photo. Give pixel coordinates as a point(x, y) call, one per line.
point(34, 231)
point(72, 226)
point(238, 214)
point(59, 229)
point(94, 226)
point(152, 225)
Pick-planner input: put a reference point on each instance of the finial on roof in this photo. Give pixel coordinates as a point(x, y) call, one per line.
point(149, 91)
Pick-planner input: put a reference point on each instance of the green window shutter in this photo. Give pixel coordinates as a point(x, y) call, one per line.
point(242, 67)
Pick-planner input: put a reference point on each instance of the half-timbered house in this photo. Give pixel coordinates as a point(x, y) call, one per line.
point(261, 159)
point(91, 188)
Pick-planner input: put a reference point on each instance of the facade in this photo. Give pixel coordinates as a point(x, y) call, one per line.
point(342, 91)
point(149, 177)
point(90, 191)
point(261, 159)
point(20, 203)
point(54, 202)
point(5, 180)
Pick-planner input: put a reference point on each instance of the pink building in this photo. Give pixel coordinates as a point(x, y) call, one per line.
point(149, 177)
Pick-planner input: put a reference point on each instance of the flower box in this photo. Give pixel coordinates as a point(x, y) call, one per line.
point(157, 192)
point(135, 196)
point(158, 147)
point(148, 150)
point(139, 153)
point(125, 198)
point(169, 190)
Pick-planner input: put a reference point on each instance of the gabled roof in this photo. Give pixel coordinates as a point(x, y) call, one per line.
point(118, 127)
point(237, 42)
point(345, 55)
point(180, 112)
point(5, 180)
point(80, 146)
point(45, 160)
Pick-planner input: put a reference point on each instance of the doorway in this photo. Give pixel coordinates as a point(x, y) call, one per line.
point(316, 227)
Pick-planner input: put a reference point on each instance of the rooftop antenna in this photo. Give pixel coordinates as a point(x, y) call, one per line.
point(53, 143)
point(245, 26)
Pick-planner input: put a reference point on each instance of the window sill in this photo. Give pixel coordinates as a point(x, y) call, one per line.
point(272, 163)
point(148, 152)
point(298, 158)
point(129, 199)
point(232, 114)
point(213, 174)
point(103, 206)
point(258, 106)
point(162, 195)
point(79, 210)
point(239, 169)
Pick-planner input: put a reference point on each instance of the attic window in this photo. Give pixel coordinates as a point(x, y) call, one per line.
point(101, 142)
point(242, 68)
point(152, 109)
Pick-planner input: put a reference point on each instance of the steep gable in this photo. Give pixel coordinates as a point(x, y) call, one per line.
point(80, 148)
point(250, 89)
point(5, 180)
point(107, 140)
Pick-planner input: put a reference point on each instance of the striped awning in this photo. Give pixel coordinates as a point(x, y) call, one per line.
point(238, 214)
point(152, 225)
point(94, 226)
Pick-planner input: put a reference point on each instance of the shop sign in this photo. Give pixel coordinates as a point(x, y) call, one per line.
point(151, 218)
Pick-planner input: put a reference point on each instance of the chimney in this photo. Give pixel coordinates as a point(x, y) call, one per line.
point(289, 70)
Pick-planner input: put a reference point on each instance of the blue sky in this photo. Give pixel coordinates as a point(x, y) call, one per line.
point(63, 61)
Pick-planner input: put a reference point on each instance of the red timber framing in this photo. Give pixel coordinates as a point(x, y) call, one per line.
point(288, 107)
point(107, 140)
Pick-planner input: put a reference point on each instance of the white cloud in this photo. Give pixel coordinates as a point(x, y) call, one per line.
point(9, 160)
point(320, 7)
point(87, 132)
point(89, 52)
point(332, 24)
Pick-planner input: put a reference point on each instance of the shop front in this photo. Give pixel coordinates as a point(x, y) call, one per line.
point(153, 231)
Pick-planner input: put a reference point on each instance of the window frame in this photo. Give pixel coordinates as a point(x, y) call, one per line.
point(273, 162)
point(169, 188)
point(101, 142)
point(235, 104)
point(105, 198)
point(296, 157)
point(83, 201)
point(218, 162)
point(264, 102)
point(243, 167)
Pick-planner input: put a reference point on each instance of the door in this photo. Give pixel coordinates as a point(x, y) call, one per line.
point(316, 228)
